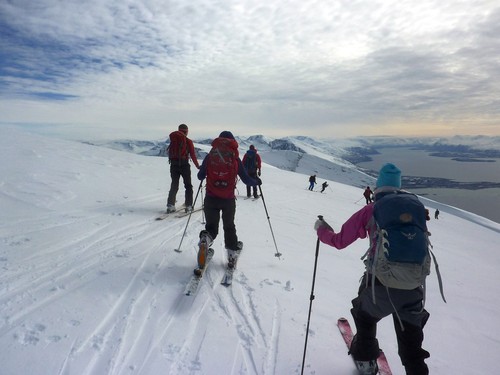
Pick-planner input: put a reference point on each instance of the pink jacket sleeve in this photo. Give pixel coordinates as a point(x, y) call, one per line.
point(355, 227)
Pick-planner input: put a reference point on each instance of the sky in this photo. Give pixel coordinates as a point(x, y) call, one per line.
point(107, 69)
point(90, 282)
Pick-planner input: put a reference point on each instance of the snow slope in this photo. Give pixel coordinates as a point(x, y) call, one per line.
point(90, 283)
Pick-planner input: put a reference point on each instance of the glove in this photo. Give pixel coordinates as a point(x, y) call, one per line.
point(258, 173)
point(321, 223)
point(259, 181)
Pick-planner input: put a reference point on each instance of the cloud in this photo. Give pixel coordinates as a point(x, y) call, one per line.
point(279, 66)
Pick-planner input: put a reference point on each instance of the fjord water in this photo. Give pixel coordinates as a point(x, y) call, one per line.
point(484, 202)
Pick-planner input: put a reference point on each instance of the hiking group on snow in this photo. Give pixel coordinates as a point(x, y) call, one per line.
point(396, 263)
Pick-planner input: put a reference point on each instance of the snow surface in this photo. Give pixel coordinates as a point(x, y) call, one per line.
point(90, 282)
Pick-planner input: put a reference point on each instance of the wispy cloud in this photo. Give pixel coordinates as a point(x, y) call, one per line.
point(279, 67)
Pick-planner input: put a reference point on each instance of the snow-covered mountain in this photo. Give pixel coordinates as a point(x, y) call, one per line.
point(297, 154)
point(335, 158)
point(90, 283)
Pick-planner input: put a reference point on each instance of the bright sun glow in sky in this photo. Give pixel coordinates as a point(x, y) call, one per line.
point(138, 68)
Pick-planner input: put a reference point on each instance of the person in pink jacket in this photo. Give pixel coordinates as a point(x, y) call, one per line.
point(406, 306)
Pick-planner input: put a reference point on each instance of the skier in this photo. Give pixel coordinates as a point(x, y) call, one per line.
point(252, 163)
point(436, 214)
point(179, 151)
point(368, 194)
point(221, 167)
point(312, 182)
point(324, 186)
point(406, 306)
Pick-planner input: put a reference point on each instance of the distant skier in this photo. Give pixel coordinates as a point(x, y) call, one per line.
point(324, 186)
point(368, 194)
point(312, 182)
point(436, 214)
point(427, 214)
point(252, 163)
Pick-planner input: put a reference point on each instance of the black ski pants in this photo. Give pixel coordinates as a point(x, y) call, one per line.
point(178, 170)
point(366, 314)
point(213, 207)
point(254, 188)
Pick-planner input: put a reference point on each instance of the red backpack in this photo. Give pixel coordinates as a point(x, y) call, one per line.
point(178, 148)
point(222, 168)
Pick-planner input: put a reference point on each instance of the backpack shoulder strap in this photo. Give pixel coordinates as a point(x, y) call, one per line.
point(438, 274)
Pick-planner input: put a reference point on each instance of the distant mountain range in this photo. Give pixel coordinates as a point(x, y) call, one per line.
point(335, 159)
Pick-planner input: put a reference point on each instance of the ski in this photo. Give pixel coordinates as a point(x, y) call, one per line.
point(177, 214)
point(164, 216)
point(194, 282)
point(183, 214)
point(346, 332)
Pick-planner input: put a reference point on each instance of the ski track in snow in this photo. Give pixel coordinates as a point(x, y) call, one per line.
point(102, 246)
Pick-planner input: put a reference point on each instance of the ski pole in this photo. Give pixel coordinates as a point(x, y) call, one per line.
point(189, 218)
point(311, 298)
point(277, 254)
point(202, 211)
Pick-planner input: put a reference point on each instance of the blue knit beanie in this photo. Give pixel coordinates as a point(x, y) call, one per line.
point(389, 175)
point(226, 134)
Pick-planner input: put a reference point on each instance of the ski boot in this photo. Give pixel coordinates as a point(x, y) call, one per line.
point(204, 244)
point(232, 256)
point(367, 367)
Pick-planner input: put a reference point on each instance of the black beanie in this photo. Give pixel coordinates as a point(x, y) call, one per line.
point(226, 134)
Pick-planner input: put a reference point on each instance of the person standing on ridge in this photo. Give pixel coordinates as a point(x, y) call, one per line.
point(221, 167)
point(312, 182)
point(252, 163)
point(324, 186)
point(436, 214)
point(368, 194)
point(179, 151)
point(376, 300)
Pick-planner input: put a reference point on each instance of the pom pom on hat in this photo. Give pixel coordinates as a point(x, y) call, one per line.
point(389, 175)
point(226, 134)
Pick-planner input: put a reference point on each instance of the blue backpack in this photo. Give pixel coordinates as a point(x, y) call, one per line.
point(400, 251)
point(250, 161)
point(401, 258)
